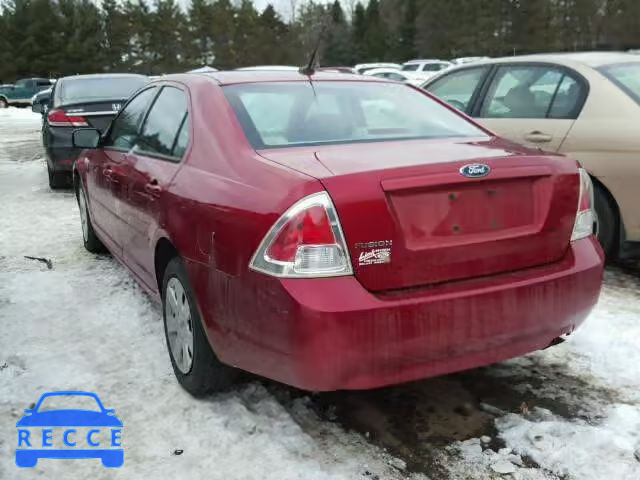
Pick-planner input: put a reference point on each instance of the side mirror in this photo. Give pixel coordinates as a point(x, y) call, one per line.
point(36, 107)
point(29, 410)
point(86, 138)
point(110, 411)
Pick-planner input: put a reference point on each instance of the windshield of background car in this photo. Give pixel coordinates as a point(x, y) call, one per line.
point(69, 402)
point(626, 76)
point(410, 67)
point(288, 114)
point(83, 90)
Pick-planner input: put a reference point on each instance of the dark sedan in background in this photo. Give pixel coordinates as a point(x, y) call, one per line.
point(81, 101)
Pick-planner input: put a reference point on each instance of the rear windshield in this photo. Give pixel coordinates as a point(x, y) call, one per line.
point(100, 88)
point(288, 114)
point(626, 76)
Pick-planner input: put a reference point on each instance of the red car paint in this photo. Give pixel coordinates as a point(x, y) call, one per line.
point(482, 269)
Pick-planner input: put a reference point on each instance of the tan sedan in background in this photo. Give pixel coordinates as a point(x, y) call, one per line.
point(584, 105)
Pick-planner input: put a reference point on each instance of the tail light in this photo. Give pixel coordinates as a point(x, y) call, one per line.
point(306, 242)
point(586, 216)
point(59, 118)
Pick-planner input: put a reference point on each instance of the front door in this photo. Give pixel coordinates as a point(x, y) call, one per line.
point(153, 164)
point(113, 169)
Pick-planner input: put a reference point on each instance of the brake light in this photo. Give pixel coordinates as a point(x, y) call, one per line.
point(586, 216)
point(59, 118)
point(306, 242)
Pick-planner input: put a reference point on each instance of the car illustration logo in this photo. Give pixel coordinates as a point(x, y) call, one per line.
point(86, 433)
point(475, 170)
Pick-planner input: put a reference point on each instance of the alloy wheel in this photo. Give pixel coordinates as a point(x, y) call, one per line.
point(84, 216)
point(179, 325)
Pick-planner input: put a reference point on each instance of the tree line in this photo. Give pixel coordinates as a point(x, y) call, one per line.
point(62, 37)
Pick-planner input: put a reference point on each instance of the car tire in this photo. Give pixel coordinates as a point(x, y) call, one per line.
point(204, 374)
point(57, 180)
point(91, 241)
point(607, 223)
point(3, 103)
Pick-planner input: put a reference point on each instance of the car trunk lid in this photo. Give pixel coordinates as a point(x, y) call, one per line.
point(410, 218)
point(97, 114)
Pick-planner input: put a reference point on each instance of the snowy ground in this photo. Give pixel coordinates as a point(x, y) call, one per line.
point(570, 412)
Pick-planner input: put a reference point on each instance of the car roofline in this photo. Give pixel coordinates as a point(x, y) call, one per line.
point(235, 77)
point(68, 393)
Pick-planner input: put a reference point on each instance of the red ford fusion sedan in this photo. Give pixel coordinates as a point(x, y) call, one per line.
point(335, 231)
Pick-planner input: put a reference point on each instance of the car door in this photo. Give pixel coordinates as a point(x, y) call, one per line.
point(20, 93)
point(532, 104)
point(107, 170)
point(460, 87)
point(153, 163)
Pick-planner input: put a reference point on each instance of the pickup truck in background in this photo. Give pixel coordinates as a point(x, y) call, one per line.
point(20, 94)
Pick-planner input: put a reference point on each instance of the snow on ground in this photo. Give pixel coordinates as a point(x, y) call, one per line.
point(571, 412)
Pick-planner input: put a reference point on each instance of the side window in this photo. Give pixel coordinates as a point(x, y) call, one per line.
point(395, 76)
point(432, 67)
point(163, 123)
point(521, 92)
point(124, 130)
point(568, 99)
point(457, 88)
point(182, 140)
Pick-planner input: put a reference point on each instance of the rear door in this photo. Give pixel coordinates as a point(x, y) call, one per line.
point(108, 169)
point(152, 165)
point(532, 104)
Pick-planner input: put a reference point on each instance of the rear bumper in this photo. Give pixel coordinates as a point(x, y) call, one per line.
point(331, 334)
point(59, 148)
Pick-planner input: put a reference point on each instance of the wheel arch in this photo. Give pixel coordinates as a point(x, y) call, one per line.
point(597, 183)
point(163, 253)
point(76, 179)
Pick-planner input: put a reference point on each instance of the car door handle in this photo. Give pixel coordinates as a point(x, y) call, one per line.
point(107, 173)
point(153, 188)
point(538, 137)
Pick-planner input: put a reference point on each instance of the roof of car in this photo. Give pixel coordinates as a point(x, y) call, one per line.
point(102, 75)
point(425, 60)
point(254, 76)
point(591, 59)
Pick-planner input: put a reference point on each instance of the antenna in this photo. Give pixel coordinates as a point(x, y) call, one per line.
point(309, 68)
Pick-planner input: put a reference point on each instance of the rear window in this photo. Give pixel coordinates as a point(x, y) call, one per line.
point(99, 88)
point(291, 114)
point(410, 67)
point(626, 76)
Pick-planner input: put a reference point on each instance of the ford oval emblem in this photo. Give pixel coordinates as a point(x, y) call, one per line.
point(475, 170)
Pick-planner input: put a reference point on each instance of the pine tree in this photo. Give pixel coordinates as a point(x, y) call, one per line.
point(375, 36)
point(116, 53)
point(358, 30)
point(165, 29)
point(226, 24)
point(272, 31)
point(197, 43)
point(338, 50)
point(407, 40)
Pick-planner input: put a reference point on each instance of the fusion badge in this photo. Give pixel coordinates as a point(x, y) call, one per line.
point(375, 252)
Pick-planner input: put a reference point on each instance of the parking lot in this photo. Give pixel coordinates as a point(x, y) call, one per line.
point(71, 320)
